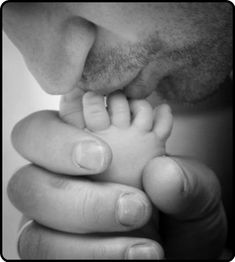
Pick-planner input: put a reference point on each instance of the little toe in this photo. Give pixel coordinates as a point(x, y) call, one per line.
point(95, 114)
point(142, 114)
point(119, 109)
point(163, 121)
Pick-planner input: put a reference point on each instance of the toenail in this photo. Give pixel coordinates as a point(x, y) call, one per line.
point(131, 210)
point(89, 154)
point(143, 251)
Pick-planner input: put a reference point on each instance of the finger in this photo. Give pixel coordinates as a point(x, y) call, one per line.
point(71, 110)
point(44, 139)
point(77, 205)
point(38, 242)
point(190, 193)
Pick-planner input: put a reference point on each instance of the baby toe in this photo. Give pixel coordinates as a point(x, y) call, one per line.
point(142, 114)
point(95, 114)
point(119, 109)
point(71, 110)
point(163, 121)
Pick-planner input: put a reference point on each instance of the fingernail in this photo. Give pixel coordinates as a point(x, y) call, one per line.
point(89, 154)
point(131, 210)
point(143, 251)
point(181, 175)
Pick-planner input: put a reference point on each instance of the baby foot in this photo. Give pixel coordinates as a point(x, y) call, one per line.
point(135, 132)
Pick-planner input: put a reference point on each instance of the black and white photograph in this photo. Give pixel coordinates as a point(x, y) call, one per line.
point(117, 130)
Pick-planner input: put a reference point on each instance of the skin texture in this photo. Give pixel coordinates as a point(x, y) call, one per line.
point(202, 193)
point(135, 133)
point(181, 50)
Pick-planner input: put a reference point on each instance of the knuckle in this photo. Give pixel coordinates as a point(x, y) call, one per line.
point(16, 134)
point(25, 128)
point(21, 131)
point(19, 189)
point(59, 182)
point(11, 188)
point(88, 206)
point(14, 186)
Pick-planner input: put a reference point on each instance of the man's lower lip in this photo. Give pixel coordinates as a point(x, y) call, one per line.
point(103, 88)
point(134, 88)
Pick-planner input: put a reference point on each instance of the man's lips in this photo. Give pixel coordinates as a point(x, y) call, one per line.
point(134, 88)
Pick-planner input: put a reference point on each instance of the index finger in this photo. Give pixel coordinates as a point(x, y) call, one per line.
point(77, 205)
point(44, 139)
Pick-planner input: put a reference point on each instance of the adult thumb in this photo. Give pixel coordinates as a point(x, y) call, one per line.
point(188, 194)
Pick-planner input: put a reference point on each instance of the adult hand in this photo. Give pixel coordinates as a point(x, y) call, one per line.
point(69, 208)
point(186, 191)
point(193, 224)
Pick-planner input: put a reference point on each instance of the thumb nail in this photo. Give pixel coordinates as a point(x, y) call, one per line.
point(89, 154)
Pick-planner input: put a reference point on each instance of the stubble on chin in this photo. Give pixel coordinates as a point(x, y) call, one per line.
point(187, 74)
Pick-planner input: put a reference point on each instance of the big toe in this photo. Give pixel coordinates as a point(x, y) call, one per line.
point(95, 114)
point(71, 110)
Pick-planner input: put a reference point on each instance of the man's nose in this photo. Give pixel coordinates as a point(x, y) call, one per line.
point(54, 42)
point(75, 41)
point(61, 65)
